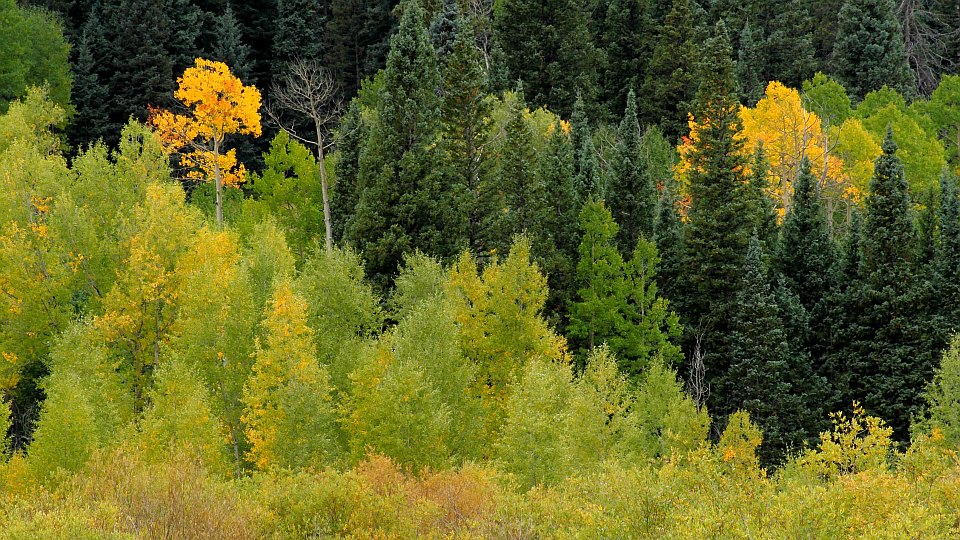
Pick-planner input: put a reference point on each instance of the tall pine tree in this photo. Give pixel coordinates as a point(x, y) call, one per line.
point(869, 52)
point(631, 195)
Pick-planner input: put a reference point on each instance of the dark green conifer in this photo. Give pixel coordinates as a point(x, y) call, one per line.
point(869, 52)
point(630, 193)
point(229, 47)
point(627, 41)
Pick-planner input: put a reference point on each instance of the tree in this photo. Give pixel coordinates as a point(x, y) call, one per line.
point(946, 265)
point(669, 237)
point(789, 43)
point(869, 51)
point(465, 112)
point(89, 90)
point(309, 90)
point(299, 29)
point(405, 202)
point(669, 84)
point(631, 193)
point(750, 63)
point(719, 226)
point(229, 47)
point(33, 52)
point(942, 396)
point(626, 40)
point(446, 26)
point(350, 138)
point(549, 48)
point(618, 303)
point(288, 415)
point(216, 104)
point(759, 378)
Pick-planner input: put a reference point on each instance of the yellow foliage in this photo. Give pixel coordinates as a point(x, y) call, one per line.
point(217, 105)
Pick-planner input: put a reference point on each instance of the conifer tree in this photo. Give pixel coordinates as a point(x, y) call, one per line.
point(229, 47)
point(579, 130)
point(719, 224)
point(891, 358)
point(626, 41)
point(631, 195)
point(588, 183)
point(947, 256)
point(759, 206)
point(869, 52)
point(789, 43)
point(89, 87)
point(670, 78)
point(351, 136)
point(550, 49)
point(465, 113)
point(750, 63)
point(404, 203)
point(298, 31)
point(445, 28)
point(758, 379)
point(669, 238)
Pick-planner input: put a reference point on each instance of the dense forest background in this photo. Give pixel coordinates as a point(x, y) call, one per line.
point(465, 267)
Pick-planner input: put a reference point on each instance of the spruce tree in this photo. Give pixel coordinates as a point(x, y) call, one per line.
point(760, 209)
point(579, 130)
point(947, 256)
point(719, 223)
point(758, 379)
point(445, 28)
point(465, 113)
point(789, 44)
point(89, 89)
point(669, 237)
point(404, 203)
point(626, 40)
point(869, 52)
point(670, 80)
point(351, 137)
point(588, 183)
point(630, 192)
point(549, 47)
point(229, 47)
point(298, 31)
point(891, 358)
point(560, 223)
point(751, 62)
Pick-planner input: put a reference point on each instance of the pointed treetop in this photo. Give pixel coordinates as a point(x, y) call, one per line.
point(889, 145)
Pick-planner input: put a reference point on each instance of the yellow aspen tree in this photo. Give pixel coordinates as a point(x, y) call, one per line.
point(288, 412)
point(217, 104)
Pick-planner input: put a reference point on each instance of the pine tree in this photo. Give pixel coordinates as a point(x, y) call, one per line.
point(789, 44)
point(588, 183)
point(579, 130)
point(869, 52)
point(631, 195)
point(404, 203)
point(670, 78)
point(229, 47)
point(187, 23)
point(762, 215)
point(549, 48)
point(758, 379)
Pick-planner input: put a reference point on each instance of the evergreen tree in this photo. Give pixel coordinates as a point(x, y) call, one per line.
point(229, 47)
point(762, 215)
point(588, 183)
point(891, 359)
point(549, 47)
point(947, 256)
point(89, 89)
point(719, 223)
point(869, 52)
point(669, 237)
point(789, 43)
point(579, 130)
point(626, 42)
point(298, 31)
point(351, 137)
point(669, 83)
point(187, 22)
point(805, 256)
point(631, 194)
point(751, 62)
point(446, 27)
point(758, 379)
point(403, 204)
point(465, 113)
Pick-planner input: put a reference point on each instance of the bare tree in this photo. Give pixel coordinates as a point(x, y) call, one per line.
point(310, 91)
point(697, 385)
point(926, 34)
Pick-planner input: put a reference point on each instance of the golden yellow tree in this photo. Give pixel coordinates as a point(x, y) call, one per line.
point(216, 104)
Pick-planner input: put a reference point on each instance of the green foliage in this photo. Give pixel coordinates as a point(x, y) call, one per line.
point(828, 98)
point(631, 193)
point(33, 52)
point(289, 187)
point(942, 396)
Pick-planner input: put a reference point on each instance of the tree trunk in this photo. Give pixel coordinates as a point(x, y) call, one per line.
point(327, 223)
point(217, 177)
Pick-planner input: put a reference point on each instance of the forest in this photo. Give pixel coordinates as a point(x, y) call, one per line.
point(479, 269)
